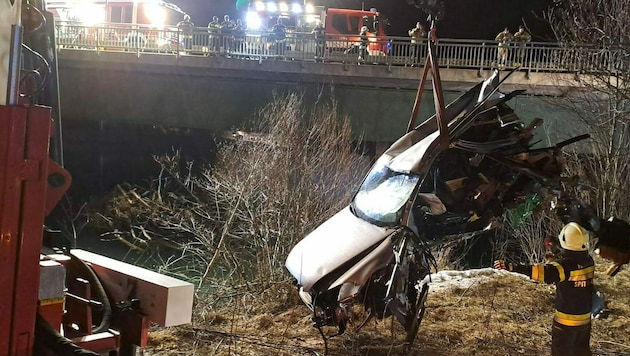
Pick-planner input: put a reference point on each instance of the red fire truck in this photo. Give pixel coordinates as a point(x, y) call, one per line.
point(344, 25)
point(157, 13)
point(98, 23)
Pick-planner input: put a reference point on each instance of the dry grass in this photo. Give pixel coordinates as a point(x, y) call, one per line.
point(504, 315)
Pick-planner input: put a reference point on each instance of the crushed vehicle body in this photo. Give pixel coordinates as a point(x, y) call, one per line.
point(376, 252)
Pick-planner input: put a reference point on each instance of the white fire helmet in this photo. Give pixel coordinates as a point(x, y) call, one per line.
point(573, 237)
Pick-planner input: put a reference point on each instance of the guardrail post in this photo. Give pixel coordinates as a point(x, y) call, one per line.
point(97, 38)
point(528, 60)
point(482, 60)
point(179, 42)
point(138, 43)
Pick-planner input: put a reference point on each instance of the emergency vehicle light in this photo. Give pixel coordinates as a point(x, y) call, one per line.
point(89, 14)
point(283, 7)
point(312, 18)
point(259, 6)
point(253, 21)
point(156, 14)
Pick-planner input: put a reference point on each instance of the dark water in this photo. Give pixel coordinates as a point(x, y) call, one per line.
point(100, 156)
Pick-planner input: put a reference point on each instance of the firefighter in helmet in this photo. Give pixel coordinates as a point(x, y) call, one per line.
point(503, 38)
point(417, 36)
point(572, 273)
point(278, 37)
point(521, 37)
point(214, 34)
point(227, 34)
point(186, 28)
point(363, 43)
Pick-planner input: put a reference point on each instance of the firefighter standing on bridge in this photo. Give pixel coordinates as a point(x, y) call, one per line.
point(504, 38)
point(320, 41)
point(278, 36)
point(227, 34)
point(214, 34)
point(573, 277)
point(417, 37)
point(186, 28)
point(521, 37)
point(364, 42)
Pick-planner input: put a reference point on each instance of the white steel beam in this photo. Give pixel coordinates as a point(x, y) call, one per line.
point(166, 301)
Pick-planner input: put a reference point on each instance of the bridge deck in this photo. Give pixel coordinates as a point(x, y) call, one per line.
point(222, 88)
point(299, 53)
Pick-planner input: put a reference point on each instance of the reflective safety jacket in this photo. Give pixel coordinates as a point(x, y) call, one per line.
point(214, 27)
point(573, 277)
point(504, 38)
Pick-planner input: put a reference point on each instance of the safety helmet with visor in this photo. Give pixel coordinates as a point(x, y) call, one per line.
point(574, 237)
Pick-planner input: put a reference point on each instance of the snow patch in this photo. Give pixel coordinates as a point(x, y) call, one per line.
point(461, 279)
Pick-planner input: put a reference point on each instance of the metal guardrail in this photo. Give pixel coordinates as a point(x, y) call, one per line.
point(397, 51)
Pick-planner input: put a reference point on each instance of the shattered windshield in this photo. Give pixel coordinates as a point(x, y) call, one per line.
point(383, 194)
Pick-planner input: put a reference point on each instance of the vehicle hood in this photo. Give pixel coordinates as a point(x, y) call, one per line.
point(336, 241)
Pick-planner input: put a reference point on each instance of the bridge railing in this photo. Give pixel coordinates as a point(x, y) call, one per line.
point(398, 51)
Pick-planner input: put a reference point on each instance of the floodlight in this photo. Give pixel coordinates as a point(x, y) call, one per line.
point(253, 21)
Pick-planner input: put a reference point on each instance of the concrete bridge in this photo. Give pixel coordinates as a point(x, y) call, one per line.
point(194, 87)
point(218, 93)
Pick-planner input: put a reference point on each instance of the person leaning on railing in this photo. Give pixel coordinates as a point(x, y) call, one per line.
point(186, 28)
point(318, 33)
point(239, 36)
point(227, 33)
point(278, 35)
point(214, 35)
point(504, 37)
point(521, 37)
point(417, 36)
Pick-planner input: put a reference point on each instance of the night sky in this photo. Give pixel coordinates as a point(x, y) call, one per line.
point(474, 19)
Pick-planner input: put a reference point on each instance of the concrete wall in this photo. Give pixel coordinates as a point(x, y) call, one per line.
point(117, 107)
point(222, 94)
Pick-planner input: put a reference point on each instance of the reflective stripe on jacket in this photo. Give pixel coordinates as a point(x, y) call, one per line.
point(573, 277)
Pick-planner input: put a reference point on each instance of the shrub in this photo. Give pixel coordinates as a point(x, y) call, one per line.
point(232, 225)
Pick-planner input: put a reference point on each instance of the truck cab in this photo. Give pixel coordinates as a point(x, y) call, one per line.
point(156, 13)
point(105, 24)
point(344, 25)
point(341, 26)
